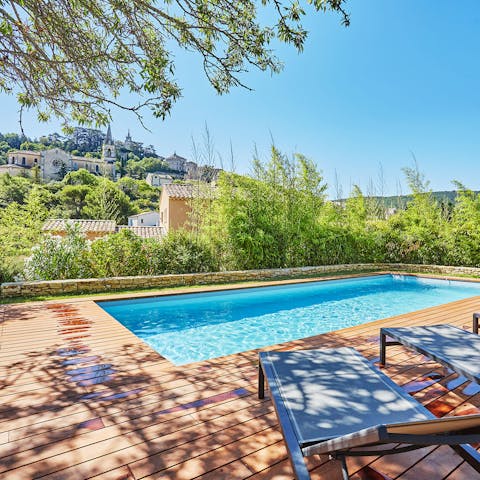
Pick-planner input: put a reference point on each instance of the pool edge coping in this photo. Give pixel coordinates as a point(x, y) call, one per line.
point(189, 289)
point(213, 288)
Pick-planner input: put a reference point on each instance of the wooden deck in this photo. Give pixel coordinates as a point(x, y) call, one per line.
point(82, 397)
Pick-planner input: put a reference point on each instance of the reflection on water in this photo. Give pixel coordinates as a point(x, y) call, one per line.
point(193, 327)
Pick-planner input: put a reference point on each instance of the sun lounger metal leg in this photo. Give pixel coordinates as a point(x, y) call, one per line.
point(261, 382)
point(383, 347)
point(343, 462)
point(344, 470)
point(468, 453)
point(476, 316)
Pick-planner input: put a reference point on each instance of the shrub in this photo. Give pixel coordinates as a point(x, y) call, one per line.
point(180, 252)
point(120, 254)
point(58, 258)
point(9, 269)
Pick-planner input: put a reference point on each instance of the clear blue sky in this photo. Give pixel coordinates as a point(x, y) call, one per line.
point(404, 77)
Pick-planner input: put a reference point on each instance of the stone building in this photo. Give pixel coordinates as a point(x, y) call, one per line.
point(145, 219)
point(54, 163)
point(174, 205)
point(176, 201)
point(157, 179)
point(176, 162)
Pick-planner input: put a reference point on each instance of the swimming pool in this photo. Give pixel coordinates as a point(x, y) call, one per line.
point(198, 326)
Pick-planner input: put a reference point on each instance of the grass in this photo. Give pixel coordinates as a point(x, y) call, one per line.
point(179, 288)
point(185, 288)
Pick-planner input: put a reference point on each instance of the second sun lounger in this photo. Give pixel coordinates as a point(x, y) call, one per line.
point(334, 402)
point(450, 346)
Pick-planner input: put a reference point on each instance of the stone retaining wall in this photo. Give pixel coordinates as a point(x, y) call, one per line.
point(437, 269)
point(97, 285)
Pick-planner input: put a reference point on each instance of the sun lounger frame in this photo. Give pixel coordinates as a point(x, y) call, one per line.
point(476, 317)
point(397, 336)
point(340, 447)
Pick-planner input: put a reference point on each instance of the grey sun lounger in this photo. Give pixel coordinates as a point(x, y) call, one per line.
point(450, 346)
point(334, 402)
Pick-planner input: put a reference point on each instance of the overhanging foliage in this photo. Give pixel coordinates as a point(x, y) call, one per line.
point(73, 58)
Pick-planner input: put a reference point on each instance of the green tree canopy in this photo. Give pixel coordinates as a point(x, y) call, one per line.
point(106, 202)
point(150, 164)
point(80, 177)
point(33, 146)
point(135, 169)
point(4, 148)
point(13, 189)
point(73, 197)
point(13, 139)
point(143, 196)
point(20, 225)
point(72, 58)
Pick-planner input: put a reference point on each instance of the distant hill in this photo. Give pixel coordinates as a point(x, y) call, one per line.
point(400, 201)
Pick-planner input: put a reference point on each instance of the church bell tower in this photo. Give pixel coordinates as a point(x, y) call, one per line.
point(109, 153)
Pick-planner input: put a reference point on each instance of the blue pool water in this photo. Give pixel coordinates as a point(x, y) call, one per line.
point(198, 326)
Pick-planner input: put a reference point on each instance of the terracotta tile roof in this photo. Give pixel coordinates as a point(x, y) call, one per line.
point(59, 225)
point(145, 232)
point(105, 226)
point(188, 190)
point(177, 190)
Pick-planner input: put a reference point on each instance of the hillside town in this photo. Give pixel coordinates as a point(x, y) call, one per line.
point(102, 156)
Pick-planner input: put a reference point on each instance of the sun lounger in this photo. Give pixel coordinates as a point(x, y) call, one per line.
point(450, 346)
point(334, 402)
point(476, 317)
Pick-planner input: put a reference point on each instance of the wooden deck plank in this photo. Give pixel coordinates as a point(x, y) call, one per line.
point(124, 436)
point(440, 463)
point(183, 422)
point(463, 472)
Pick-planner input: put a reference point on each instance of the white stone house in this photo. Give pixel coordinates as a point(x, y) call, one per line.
point(146, 219)
point(158, 179)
